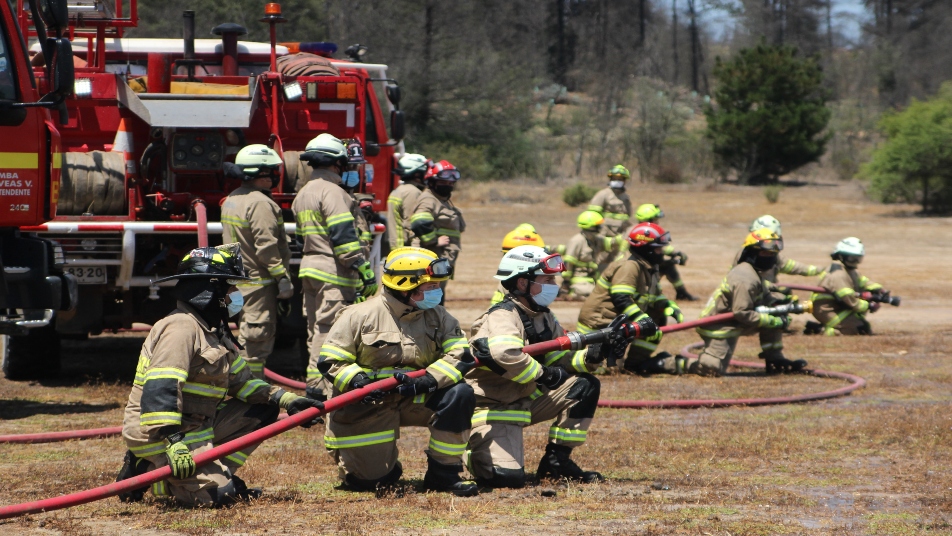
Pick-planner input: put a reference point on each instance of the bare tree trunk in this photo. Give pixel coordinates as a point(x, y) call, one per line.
point(695, 46)
point(829, 26)
point(674, 39)
point(561, 68)
point(425, 88)
point(641, 23)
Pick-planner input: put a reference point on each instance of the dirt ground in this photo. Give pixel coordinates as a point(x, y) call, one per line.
point(875, 462)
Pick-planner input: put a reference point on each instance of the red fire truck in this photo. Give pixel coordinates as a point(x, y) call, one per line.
point(148, 128)
point(32, 283)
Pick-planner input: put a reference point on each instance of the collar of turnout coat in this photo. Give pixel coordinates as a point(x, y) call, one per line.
point(326, 174)
point(400, 309)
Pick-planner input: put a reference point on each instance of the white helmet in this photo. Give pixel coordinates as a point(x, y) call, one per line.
point(850, 246)
point(411, 164)
point(767, 221)
point(252, 158)
point(325, 150)
point(521, 260)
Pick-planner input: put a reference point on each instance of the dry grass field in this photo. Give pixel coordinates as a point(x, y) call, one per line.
point(876, 462)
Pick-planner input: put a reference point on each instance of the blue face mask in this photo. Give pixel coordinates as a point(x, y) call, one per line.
point(350, 179)
point(432, 298)
point(237, 302)
point(547, 296)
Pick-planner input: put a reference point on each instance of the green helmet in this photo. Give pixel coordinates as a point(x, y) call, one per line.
point(253, 159)
point(589, 220)
point(648, 212)
point(619, 172)
point(767, 221)
point(220, 262)
point(325, 150)
point(525, 227)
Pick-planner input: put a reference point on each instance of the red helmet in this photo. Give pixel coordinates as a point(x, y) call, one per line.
point(443, 171)
point(648, 234)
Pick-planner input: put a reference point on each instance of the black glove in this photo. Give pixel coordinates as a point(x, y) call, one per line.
point(415, 386)
point(647, 327)
point(553, 377)
point(360, 381)
point(595, 354)
point(302, 403)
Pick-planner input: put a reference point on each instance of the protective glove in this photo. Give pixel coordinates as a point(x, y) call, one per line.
point(294, 404)
point(415, 386)
point(368, 278)
point(682, 258)
point(553, 377)
point(360, 299)
point(285, 288)
point(778, 322)
point(874, 306)
point(672, 310)
point(595, 353)
point(284, 308)
point(362, 380)
point(180, 458)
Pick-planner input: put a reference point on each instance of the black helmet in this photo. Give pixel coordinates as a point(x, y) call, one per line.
point(220, 262)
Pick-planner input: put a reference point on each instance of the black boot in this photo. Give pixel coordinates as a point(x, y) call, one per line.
point(778, 364)
point(132, 467)
point(652, 365)
point(442, 477)
point(683, 295)
point(557, 464)
point(813, 328)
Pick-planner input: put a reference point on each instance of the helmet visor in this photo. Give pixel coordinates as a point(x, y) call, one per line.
point(439, 268)
point(662, 240)
point(447, 175)
point(771, 244)
point(553, 264)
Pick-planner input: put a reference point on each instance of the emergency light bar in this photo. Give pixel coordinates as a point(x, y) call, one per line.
point(321, 48)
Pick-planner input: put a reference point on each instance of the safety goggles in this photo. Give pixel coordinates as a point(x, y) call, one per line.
point(663, 240)
point(772, 245)
point(437, 268)
point(447, 175)
point(553, 264)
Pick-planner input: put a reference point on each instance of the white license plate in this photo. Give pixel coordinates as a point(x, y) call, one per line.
point(88, 275)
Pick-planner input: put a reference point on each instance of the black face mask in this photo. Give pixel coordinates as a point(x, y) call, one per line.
point(206, 296)
point(762, 263)
point(443, 190)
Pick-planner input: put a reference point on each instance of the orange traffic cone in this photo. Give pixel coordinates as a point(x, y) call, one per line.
point(124, 144)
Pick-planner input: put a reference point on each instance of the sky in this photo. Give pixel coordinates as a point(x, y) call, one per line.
point(848, 16)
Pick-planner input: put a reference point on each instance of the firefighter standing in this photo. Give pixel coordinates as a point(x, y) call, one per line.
point(841, 308)
point(362, 220)
point(613, 203)
point(515, 390)
point(771, 340)
point(668, 266)
point(523, 235)
point(411, 169)
point(435, 220)
point(187, 367)
point(252, 219)
point(586, 255)
point(740, 293)
point(402, 330)
point(333, 267)
point(630, 286)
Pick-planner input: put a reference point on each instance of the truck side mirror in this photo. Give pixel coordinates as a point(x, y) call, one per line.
point(55, 14)
point(397, 127)
point(62, 77)
point(373, 149)
point(393, 95)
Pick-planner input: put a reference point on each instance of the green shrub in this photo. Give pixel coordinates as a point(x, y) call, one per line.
point(772, 193)
point(669, 172)
point(472, 161)
point(578, 194)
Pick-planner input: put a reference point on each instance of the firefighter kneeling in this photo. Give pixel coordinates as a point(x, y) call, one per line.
point(400, 331)
point(515, 390)
point(187, 365)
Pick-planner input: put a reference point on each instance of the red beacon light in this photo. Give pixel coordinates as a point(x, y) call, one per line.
point(272, 13)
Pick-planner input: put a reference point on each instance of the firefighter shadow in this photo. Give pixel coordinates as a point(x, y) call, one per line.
point(21, 409)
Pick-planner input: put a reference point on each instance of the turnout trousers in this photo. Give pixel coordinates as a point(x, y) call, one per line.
point(259, 325)
point(233, 420)
point(322, 302)
point(362, 438)
point(496, 438)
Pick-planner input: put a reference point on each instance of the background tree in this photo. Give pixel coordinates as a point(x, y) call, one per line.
point(915, 161)
point(769, 113)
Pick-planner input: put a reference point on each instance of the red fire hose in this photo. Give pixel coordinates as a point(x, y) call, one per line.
point(109, 490)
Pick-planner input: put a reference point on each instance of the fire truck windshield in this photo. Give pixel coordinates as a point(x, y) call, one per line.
point(7, 68)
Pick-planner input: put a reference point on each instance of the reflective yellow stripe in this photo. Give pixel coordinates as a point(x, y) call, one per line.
point(198, 436)
point(554, 357)
point(328, 277)
point(149, 449)
point(596, 208)
point(617, 216)
point(845, 291)
point(623, 289)
point(602, 282)
point(453, 344)
point(349, 247)
point(578, 361)
point(277, 271)
point(582, 328)
point(346, 375)
point(447, 370)
point(421, 216)
point(235, 221)
point(202, 389)
point(641, 343)
point(259, 282)
point(166, 373)
point(483, 416)
point(449, 232)
point(838, 318)
point(238, 364)
point(313, 373)
point(530, 373)
point(450, 449)
point(160, 489)
point(349, 442)
point(238, 458)
point(338, 219)
point(19, 160)
point(250, 387)
point(632, 310)
point(336, 353)
point(160, 417)
point(566, 435)
point(725, 333)
point(505, 340)
point(582, 279)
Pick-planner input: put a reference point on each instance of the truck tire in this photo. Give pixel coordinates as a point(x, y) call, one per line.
point(296, 172)
point(92, 182)
point(32, 356)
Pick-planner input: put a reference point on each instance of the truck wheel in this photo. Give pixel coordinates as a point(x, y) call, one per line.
point(32, 356)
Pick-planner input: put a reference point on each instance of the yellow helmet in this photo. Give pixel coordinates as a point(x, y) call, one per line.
point(521, 237)
point(764, 239)
point(648, 211)
point(407, 268)
point(589, 220)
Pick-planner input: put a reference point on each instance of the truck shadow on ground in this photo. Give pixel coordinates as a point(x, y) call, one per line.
point(21, 409)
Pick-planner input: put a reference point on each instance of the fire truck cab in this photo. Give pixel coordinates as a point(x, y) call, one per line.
point(151, 124)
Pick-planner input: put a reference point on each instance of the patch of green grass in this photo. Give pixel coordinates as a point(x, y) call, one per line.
point(893, 524)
